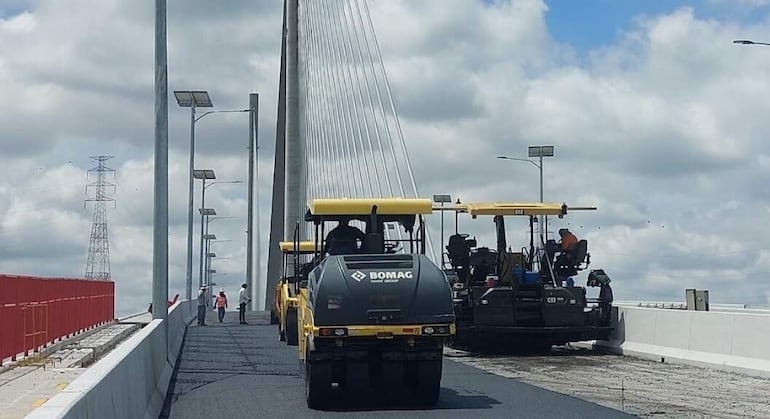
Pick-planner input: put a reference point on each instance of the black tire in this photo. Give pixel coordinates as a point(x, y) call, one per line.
point(393, 378)
point(356, 378)
point(292, 335)
point(318, 384)
point(428, 382)
point(462, 339)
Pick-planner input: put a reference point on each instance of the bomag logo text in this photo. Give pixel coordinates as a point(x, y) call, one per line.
point(390, 275)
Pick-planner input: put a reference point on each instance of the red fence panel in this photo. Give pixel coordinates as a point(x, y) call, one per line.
point(35, 311)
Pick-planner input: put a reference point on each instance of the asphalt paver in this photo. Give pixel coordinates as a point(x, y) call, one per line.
point(233, 370)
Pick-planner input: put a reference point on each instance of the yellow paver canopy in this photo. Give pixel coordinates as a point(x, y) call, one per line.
point(363, 206)
point(514, 208)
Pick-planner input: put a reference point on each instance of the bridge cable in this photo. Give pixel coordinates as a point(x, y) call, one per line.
point(330, 58)
point(371, 101)
point(349, 51)
point(350, 102)
point(361, 74)
point(395, 117)
point(321, 172)
point(340, 66)
point(360, 85)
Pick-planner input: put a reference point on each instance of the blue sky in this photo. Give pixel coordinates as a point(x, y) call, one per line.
point(586, 24)
point(12, 7)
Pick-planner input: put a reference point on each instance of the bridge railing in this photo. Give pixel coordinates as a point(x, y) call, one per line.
point(36, 311)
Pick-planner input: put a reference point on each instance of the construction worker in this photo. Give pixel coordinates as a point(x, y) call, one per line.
point(568, 240)
point(565, 262)
point(221, 304)
point(243, 299)
point(202, 303)
point(342, 240)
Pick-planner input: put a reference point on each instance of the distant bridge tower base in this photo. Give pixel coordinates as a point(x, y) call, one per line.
point(98, 266)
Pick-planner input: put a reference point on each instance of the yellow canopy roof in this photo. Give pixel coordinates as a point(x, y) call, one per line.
point(363, 206)
point(514, 208)
point(304, 247)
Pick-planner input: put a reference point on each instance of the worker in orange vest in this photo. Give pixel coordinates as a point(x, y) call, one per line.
point(566, 260)
point(221, 305)
point(568, 240)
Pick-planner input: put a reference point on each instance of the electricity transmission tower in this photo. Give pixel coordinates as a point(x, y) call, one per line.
point(98, 267)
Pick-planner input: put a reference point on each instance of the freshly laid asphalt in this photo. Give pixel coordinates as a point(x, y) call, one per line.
point(230, 370)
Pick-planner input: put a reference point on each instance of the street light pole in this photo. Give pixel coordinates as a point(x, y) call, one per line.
point(160, 194)
point(191, 99)
point(253, 126)
point(210, 270)
point(194, 99)
point(204, 175)
point(205, 213)
point(539, 151)
point(544, 221)
point(210, 237)
point(190, 204)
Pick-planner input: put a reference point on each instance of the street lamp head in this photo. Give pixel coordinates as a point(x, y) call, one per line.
point(441, 199)
point(207, 211)
point(186, 98)
point(743, 42)
point(227, 181)
point(211, 254)
point(541, 151)
point(210, 184)
point(222, 217)
point(209, 237)
point(204, 174)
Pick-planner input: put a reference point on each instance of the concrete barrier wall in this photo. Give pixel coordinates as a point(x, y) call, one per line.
point(129, 382)
point(731, 341)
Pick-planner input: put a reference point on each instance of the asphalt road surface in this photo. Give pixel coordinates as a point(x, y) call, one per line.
point(230, 370)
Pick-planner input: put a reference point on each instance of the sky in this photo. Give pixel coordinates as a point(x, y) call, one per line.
point(657, 119)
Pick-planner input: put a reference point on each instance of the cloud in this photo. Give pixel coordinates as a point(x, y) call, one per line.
point(662, 128)
point(741, 3)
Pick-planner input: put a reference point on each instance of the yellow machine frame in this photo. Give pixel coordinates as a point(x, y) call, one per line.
point(359, 207)
point(284, 300)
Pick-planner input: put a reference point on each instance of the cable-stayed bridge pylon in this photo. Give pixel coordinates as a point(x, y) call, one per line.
point(338, 127)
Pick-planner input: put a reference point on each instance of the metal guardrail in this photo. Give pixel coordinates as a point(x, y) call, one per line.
point(37, 311)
